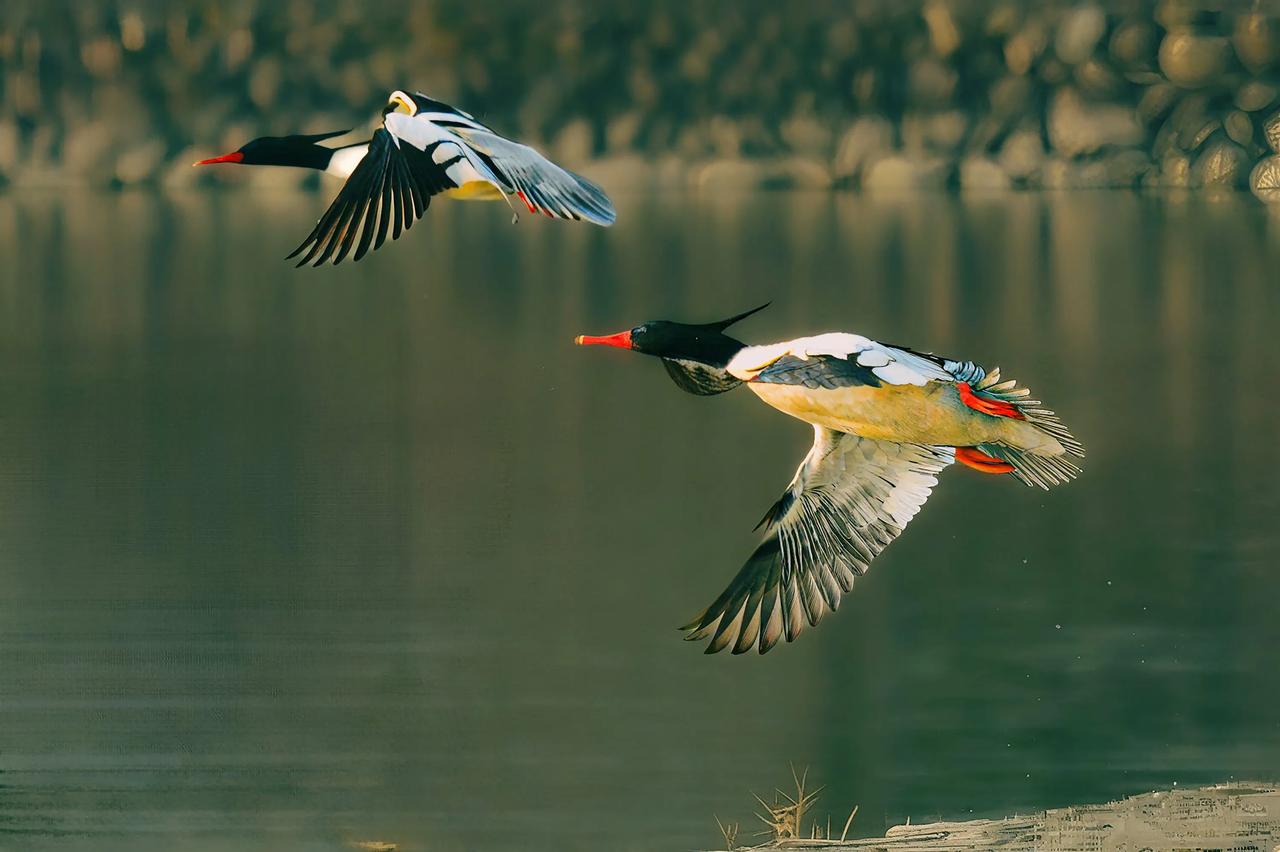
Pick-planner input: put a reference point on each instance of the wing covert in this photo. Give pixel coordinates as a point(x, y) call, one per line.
point(388, 191)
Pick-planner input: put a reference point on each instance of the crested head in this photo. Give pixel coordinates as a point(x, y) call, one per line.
point(702, 343)
point(300, 150)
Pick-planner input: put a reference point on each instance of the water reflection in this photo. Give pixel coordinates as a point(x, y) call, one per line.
point(318, 555)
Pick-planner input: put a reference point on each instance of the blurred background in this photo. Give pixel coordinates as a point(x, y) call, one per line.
point(298, 559)
point(723, 94)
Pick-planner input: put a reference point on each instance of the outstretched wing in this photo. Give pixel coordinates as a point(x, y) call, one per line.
point(849, 499)
point(544, 186)
point(388, 191)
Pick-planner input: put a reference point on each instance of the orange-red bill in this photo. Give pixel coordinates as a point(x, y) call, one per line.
point(233, 157)
point(621, 340)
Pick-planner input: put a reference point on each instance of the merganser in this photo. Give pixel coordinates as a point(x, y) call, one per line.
point(886, 421)
point(424, 148)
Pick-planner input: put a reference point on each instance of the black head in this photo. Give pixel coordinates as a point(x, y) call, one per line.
point(300, 150)
point(703, 344)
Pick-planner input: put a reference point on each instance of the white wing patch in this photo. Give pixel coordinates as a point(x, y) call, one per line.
point(889, 364)
point(344, 160)
point(419, 131)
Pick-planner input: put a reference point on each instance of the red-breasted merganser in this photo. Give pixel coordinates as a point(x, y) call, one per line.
point(424, 148)
point(886, 421)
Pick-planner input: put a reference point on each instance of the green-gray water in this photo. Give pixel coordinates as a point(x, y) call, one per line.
point(294, 558)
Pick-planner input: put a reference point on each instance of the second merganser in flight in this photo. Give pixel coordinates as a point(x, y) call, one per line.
point(424, 148)
point(886, 421)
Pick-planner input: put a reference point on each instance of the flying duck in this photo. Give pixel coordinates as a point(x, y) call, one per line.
point(886, 421)
point(424, 148)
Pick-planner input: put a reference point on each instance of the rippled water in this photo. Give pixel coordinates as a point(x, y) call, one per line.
point(290, 559)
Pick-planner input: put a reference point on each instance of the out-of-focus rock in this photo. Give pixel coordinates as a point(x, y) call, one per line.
point(1053, 72)
point(1196, 135)
point(729, 175)
point(1185, 123)
point(868, 137)
point(87, 151)
point(10, 147)
point(940, 132)
point(806, 135)
point(1125, 168)
point(900, 173)
point(1122, 169)
point(1239, 127)
point(1022, 154)
point(1078, 34)
point(1010, 96)
point(726, 136)
point(623, 131)
point(1023, 48)
point(1059, 173)
point(264, 83)
point(867, 88)
point(1222, 163)
point(1271, 131)
point(1264, 180)
point(1256, 37)
point(1175, 171)
point(1172, 14)
point(1077, 127)
point(983, 174)
point(1255, 95)
point(1133, 45)
point(1192, 59)
point(575, 143)
point(798, 173)
point(621, 172)
point(944, 33)
point(930, 83)
point(671, 172)
point(1156, 102)
point(141, 163)
point(1098, 79)
point(1003, 19)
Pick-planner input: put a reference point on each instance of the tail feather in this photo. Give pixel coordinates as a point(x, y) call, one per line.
point(1032, 467)
point(1035, 469)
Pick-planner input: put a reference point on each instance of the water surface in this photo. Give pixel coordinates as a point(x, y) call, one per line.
point(294, 558)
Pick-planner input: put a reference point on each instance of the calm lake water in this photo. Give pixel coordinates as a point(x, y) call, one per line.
point(295, 558)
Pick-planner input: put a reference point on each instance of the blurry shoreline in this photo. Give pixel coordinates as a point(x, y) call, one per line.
point(872, 95)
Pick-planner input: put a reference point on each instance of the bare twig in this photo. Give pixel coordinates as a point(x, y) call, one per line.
point(848, 823)
point(729, 833)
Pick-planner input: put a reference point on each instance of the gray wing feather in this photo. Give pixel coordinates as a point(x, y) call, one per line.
point(545, 186)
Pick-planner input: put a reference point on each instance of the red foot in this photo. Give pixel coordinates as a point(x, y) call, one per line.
point(987, 406)
point(982, 462)
point(526, 201)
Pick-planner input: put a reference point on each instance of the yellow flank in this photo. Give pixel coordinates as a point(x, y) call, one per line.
point(475, 190)
point(932, 414)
